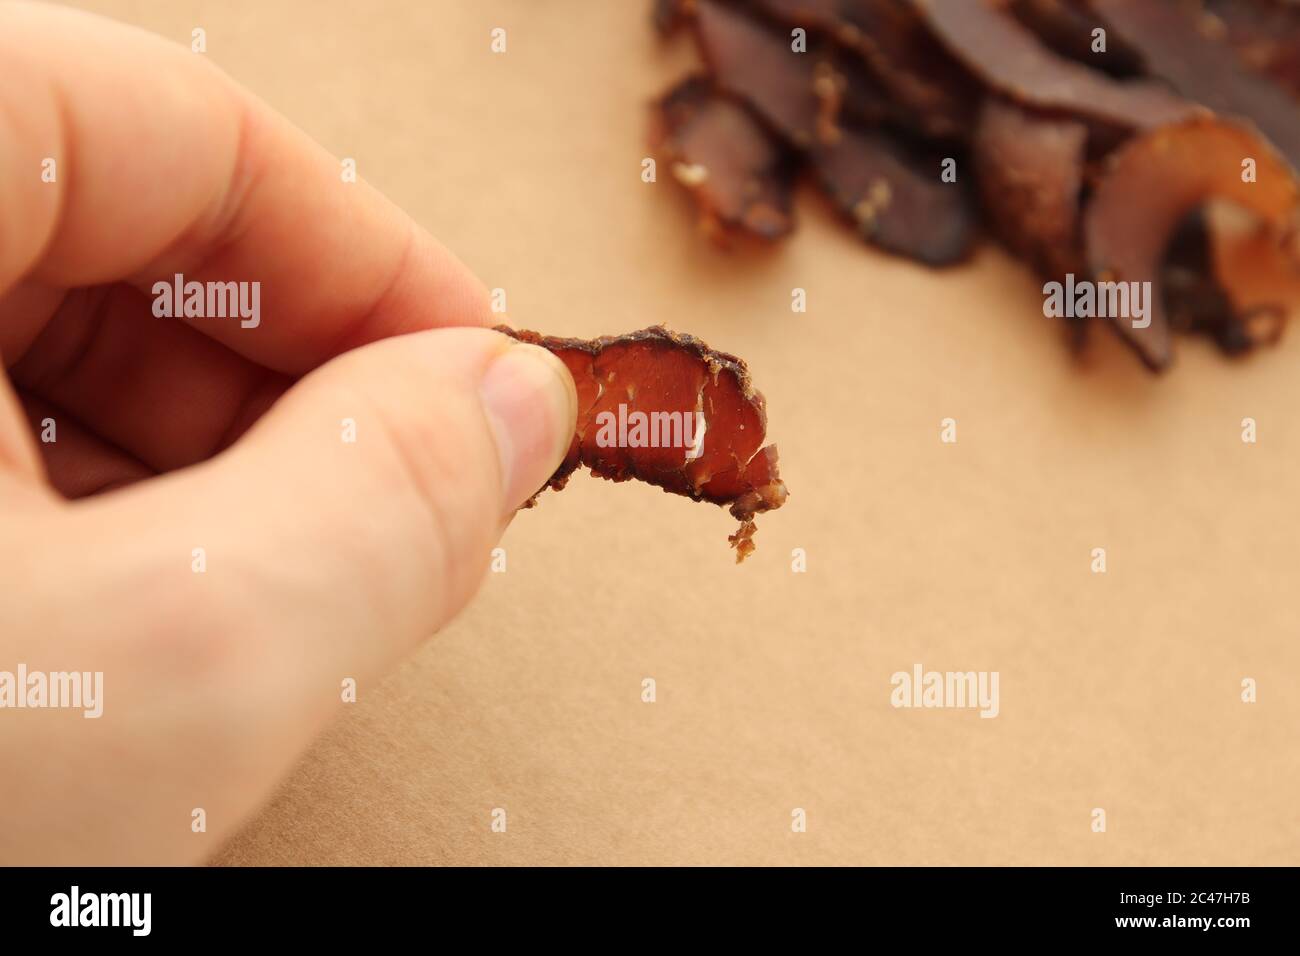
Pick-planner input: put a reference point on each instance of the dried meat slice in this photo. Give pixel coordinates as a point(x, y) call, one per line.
point(822, 15)
point(1069, 29)
point(1008, 57)
point(1265, 34)
point(1211, 280)
point(741, 177)
point(669, 15)
point(1259, 276)
point(928, 91)
point(1030, 170)
point(863, 99)
point(1190, 53)
point(895, 197)
point(664, 408)
point(796, 93)
point(1154, 182)
point(934, 89)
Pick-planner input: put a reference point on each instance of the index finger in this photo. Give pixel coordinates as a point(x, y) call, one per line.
point(125, 157)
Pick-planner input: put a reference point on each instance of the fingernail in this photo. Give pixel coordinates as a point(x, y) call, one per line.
point(531, 405)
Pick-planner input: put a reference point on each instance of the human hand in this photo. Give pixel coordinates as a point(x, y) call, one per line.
point(321, 558)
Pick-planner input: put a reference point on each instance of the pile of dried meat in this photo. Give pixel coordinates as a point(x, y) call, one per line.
point(1140, 154)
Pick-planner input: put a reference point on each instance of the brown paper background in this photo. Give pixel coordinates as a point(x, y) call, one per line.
point(1118, 691)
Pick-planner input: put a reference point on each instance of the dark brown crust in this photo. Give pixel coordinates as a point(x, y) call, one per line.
point(672, 372)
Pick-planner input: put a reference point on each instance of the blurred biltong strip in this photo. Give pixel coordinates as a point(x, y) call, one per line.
point(740, 176)
point(1111, 140)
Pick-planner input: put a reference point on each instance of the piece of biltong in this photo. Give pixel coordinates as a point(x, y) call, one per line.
point(668, 15)
point(1190, 53)
point(800, 94)
point(928, 91)
point(1007, 56)
point(1030, 171)
point(664, 408)
point(1265, 34)
point(739, 174)
point(1071, 30)
point(1151, 184)
point(896, 199)
point(796, 93)
point(1203, 284)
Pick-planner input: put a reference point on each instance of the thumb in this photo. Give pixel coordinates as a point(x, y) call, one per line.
point(223, 604)
point(359, 513)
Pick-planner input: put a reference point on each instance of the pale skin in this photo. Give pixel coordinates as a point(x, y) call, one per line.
point(325, 559)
